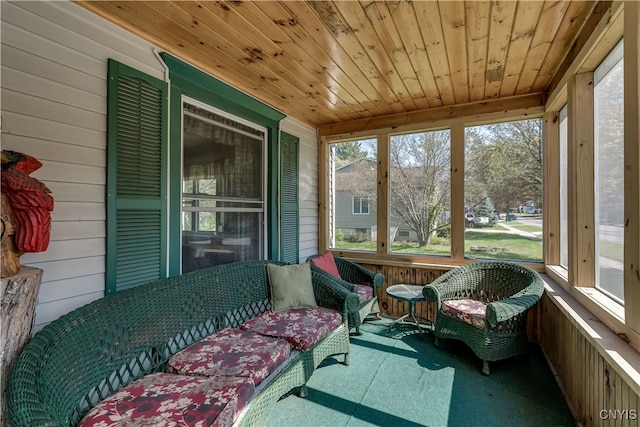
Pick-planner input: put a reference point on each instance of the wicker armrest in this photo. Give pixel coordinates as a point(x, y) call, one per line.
point(330, 294)
point(431, 294)
point(450, 285)
point(499, 311)
point(355, 273)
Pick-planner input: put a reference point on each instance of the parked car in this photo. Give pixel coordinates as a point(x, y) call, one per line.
point(472, 221)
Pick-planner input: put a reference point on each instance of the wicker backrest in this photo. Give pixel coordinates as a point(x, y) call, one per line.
point(87, 354)
point(488, 280)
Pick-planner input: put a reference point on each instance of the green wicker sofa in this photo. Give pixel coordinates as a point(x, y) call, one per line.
point(92, 352)
point(352, 277)
point(484, 304)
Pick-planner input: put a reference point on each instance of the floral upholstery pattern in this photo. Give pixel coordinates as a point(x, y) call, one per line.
point(365, 292)
point(302, 327)
point(231, 352)
point(166, 400)
point(468, 310)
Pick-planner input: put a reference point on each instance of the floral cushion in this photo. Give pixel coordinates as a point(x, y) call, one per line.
point(231, 352)
point(302, 327)
point(468, 310)
point(365, 292)
point(163, 399)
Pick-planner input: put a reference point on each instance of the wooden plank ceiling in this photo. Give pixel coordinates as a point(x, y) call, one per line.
point(327, 62)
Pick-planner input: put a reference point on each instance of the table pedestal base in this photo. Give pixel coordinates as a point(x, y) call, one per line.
point(400, 320)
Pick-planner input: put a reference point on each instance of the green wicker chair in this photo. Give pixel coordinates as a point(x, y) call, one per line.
point(352, 275)
point(508, 290)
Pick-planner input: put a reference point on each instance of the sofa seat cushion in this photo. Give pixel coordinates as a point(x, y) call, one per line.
point(365, 292)
point(468, 310)
point(231, 352)
point(302, 327)
point(163, 399)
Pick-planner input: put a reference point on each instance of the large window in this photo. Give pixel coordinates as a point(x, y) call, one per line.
point(609, 173)
point(222, 188)
point(564, 195)
point(420, 187)
point(503, 191)
point(353, 222)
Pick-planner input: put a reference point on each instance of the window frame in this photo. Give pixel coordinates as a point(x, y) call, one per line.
point(199, 86)
point(353, 204)
point(456, 128)
point(262, 202)
point(623, 320)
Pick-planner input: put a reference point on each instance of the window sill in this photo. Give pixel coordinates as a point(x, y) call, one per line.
point(600, 326)
point(417, 261)
point(607, 310)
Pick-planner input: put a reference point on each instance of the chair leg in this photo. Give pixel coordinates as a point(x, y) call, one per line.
point(304, 392)
point(485, 367)
point(347, 359)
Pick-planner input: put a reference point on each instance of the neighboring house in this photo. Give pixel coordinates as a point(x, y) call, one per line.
point(355, 207)
point(355, 210)
point(529, 208)
point(57, 108)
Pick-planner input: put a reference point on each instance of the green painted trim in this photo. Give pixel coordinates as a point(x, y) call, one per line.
point(194, 81)
point(112, 155)
point(175, 183)
point(273, 160)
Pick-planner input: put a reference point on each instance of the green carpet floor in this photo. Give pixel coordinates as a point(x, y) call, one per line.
point(400, 379)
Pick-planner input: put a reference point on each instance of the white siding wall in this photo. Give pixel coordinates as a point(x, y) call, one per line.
point(308, 186)
point(54, 68)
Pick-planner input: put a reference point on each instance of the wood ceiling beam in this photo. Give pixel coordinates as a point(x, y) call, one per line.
point(523, 104)
point(602, 17)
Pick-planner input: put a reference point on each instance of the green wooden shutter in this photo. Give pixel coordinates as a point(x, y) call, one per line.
point(289, 209)
point(136, 178)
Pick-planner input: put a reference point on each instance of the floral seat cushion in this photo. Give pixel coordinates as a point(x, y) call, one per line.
point(163, 399)
point(365, 292)
point(231, 352)
point(302, 327)
point(468, 310)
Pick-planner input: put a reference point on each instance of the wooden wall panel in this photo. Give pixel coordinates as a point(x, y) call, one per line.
point(596, 393)
point(408, 275)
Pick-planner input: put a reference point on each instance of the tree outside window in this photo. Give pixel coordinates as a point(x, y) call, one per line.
point(419, 172)
point(503, 190)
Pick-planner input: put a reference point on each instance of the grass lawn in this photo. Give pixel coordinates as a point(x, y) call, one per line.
point(611, 250)
point(504, 246)
point(524, 227)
